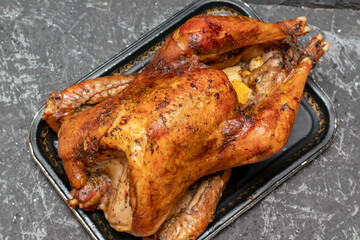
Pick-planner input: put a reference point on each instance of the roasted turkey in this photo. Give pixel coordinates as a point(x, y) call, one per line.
point(154, 149)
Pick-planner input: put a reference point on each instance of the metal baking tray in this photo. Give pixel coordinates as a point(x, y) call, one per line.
point(313, 132)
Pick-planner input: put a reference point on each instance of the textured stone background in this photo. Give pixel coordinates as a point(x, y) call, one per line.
point(47, 45)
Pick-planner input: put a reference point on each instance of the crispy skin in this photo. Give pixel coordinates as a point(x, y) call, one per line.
point(61, 105)
point(179, 120)
point(207, 38)
point(179, 144)
point(174, 113)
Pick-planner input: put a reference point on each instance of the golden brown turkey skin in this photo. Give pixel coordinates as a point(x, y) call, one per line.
point(178, 120)
point(161, 127)
point(178, 132)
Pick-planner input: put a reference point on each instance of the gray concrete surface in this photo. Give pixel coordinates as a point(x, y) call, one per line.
point(46, 45)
